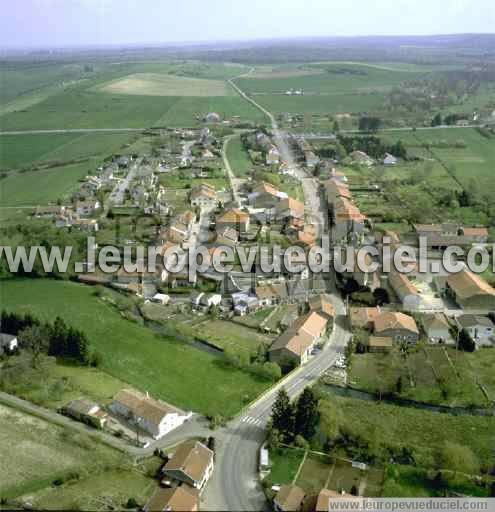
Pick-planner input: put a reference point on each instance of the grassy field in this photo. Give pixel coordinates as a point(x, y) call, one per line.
point(427, 375)
point(284, 463)
point(422, 431)
point(41, 187)
point(34, 453)
point(331, 88)
point(21, 151)
point(169, 369)
point(224, 334)
point(238, 158)
point(153, 84)
point(110, 489)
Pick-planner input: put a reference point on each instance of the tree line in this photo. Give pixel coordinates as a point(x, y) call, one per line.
point(54, 339)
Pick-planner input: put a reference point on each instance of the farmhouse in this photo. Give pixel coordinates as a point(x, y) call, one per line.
point(437, 328)
point(398, 326)
point(8, 343)
point(322, 304)
point(153, 416)
point(45, 212)
point(364, 318)
point(174, 499)
point(469, 291)
point(405, 290)
point(347, 219)
point(289, 499)
point(296, 343)
point(265, 195)
point(289, 208)
point(203, 195)
point(233, 218)
point(191, 463)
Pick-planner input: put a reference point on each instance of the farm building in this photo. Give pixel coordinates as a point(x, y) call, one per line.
point(398, 326)
point(191, 463)
point(469, 291)
point(153, 416)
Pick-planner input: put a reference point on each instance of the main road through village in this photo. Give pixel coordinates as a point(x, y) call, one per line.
point(235, 485)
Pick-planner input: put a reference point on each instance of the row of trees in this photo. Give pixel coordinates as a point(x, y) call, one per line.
point(294, 421)
point(373, 146)
point(57, 339)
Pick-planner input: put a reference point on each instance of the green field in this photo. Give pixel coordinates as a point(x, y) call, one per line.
point(154, 84)
point(17, 151)
point(169, 369)
point(79, 104)
point(239, 160)
point(41, 187)
point(332, 88)
point(424, 432)
point(34, 453)
point(427, 375)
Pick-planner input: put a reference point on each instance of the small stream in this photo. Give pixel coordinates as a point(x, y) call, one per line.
point(358, 394)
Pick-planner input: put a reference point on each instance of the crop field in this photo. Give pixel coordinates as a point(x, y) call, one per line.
point(33, 188)
point(34, 452)
point(332, 88)
point(18, 151)
point(137, 96)
point(153, 84)
point(174, 371)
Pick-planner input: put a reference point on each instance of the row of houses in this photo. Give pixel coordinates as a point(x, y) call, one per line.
point(345, 217)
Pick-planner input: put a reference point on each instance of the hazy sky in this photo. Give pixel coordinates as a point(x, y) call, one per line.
point(102, 22)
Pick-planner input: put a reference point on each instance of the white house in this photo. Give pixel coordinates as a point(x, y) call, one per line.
point(8, 343)
point(152, 416)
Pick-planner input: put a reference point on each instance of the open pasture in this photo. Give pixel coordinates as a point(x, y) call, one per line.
point(153, 84)
point(169, 369)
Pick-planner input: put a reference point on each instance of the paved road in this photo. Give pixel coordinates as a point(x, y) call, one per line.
point(117, 196)
point(235, 485)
